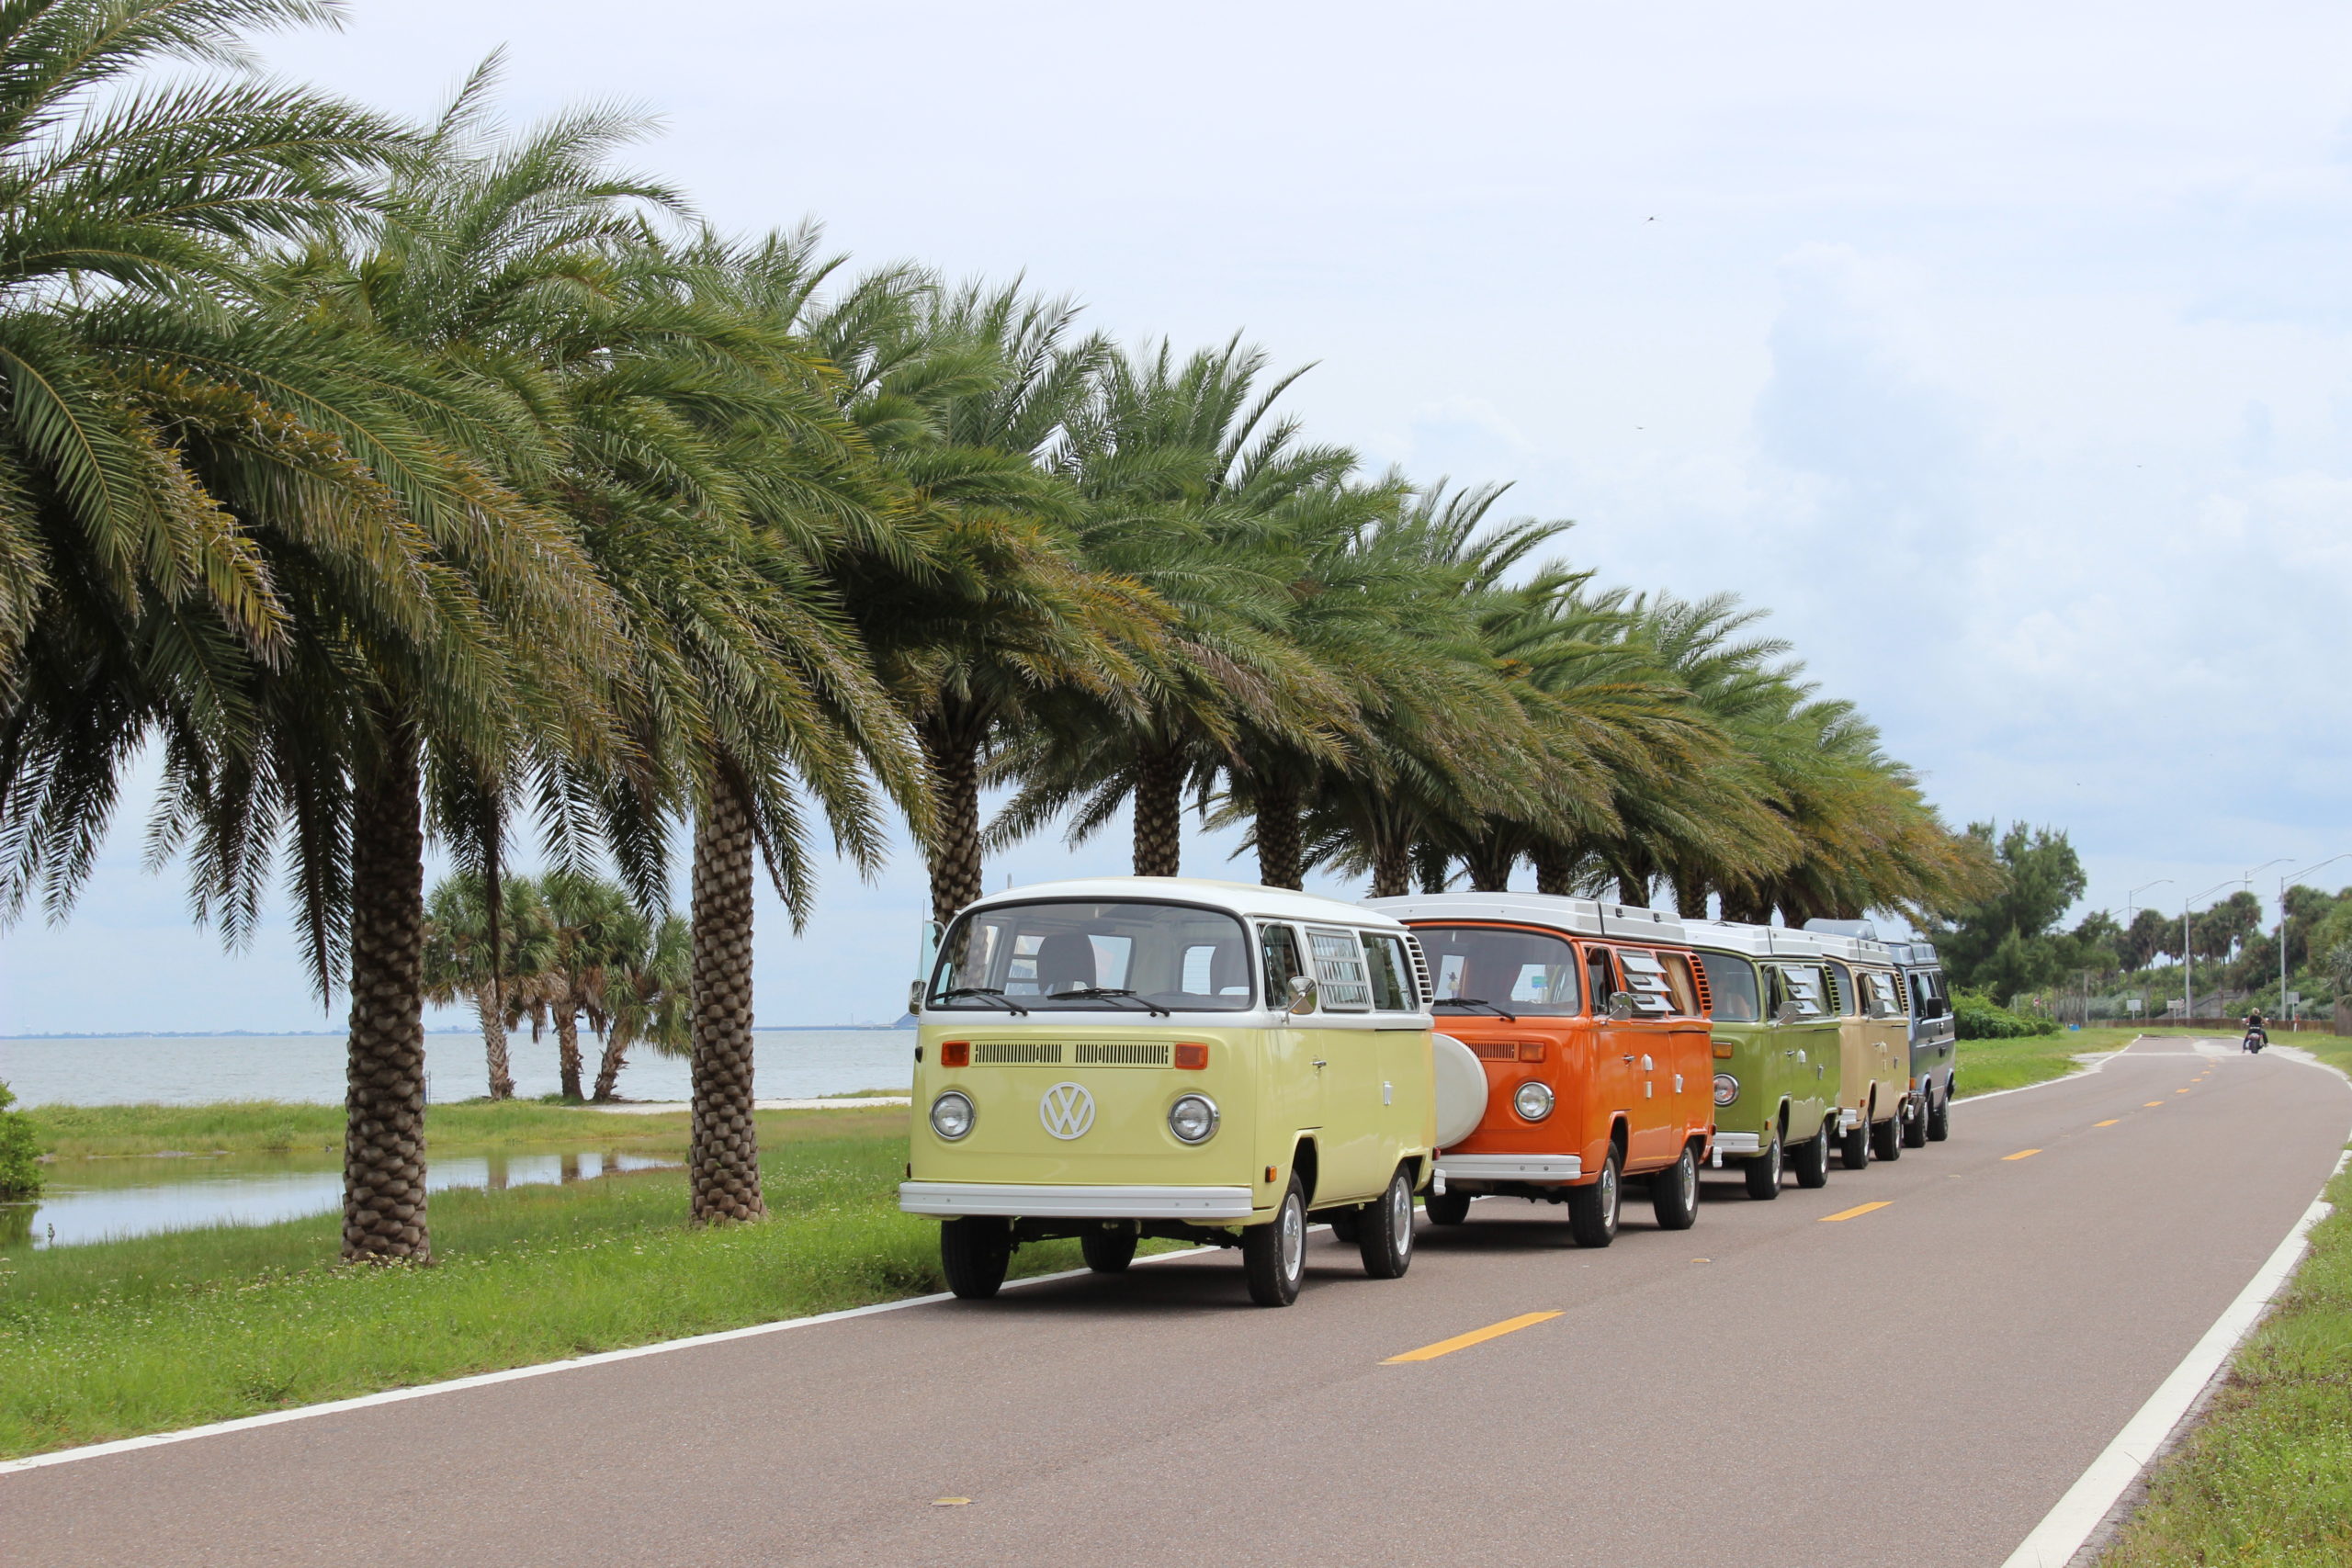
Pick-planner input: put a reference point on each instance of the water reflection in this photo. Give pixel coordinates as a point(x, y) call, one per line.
point(107, 1199)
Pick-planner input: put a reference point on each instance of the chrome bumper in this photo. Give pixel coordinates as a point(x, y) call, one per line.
point(1848, 1119)
point(947, 1198)
point(1509, 1168)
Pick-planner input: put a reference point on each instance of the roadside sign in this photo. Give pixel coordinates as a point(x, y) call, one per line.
point(2294, 998)
point(2132, 1004)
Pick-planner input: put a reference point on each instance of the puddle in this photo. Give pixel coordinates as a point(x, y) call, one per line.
point(109, 1200)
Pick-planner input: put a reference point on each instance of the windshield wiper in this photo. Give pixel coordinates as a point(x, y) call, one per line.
point(1474, 1002)
point(986, 994)
point(1098, 993)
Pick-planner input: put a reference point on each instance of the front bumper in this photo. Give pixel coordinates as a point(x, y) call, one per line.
point(1206, 1204)
point(1848, 1119)
point(1729, 1144)
point(1509, 1168)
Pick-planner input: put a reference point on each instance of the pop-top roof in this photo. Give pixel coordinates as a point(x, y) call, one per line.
point(1578, 916)
point(1247, 898)
point(1913, 954)
point(1756, 941)
point(1853, 949)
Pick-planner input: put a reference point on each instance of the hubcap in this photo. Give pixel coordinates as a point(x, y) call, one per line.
point(1293, 1240)
point(1401, 1215)
point(1609, 1194)
point(1689, 1181)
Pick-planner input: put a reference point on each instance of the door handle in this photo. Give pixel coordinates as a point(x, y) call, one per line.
point(1318, 1061)
point(1629, 1058)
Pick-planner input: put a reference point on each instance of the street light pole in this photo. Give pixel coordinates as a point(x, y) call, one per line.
point(2282, 929)
point(2187, 954)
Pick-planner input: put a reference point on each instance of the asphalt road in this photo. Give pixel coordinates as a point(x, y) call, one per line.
point(1914, 1385)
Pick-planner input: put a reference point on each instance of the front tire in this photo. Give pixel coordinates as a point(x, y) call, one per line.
point(1940, 1115)
point(1108, 1251)
point(1886, 1138)
point(1811, 1161)
point(1763, 1172)
point(1447, 1208)
point(974, 1253)
point(1592, 1208)
point(1674, 1192)
point(1273, 1256)
point(1386, 1229)
point(1854, 1147)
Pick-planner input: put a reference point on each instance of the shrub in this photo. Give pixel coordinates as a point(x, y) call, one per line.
point(1977, 1017)
point(20, 1152)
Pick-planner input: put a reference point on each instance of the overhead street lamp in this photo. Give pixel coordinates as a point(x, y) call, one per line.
point(2187, 953)
point(2131, 908)
point(2282, 926)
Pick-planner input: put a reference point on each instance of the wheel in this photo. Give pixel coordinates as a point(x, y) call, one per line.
point(1447, 1208)
point(1811, 1160)
point(1273, 1255)
point(1108, 1251)
point(1915, 1124)
point(974, 1253)
point(1938, 1115)
point(1674, 1192)
point(1386, 1238)
point(1854, 1147)
point(1763, 1172)
point(1592, 1208)
point(1886, 1137)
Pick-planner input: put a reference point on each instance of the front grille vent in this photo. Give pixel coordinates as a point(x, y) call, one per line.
point(1007, 1053)
point(1118, 1054)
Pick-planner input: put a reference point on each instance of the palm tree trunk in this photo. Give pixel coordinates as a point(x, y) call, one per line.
point(723, 1155)
point(383, 1139)
point(608, 1071)
point(1552, 871)
point(1160, 812)
point(954, 766)
point(1690, 898)
point(1279, 851)
point(1392, 867)
point(494, 1041)
point(567, 1046)
point(1489, 864)
point(1633, 890)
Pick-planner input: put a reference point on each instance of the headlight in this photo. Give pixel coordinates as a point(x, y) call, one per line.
point(1533, 1101)
point(1727, 1089)
point(951, 1115)
point(1193, 1117)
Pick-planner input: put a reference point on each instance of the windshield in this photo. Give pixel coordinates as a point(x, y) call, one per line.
point(1731, 982)
point(1066, 955)
point(1525, 972)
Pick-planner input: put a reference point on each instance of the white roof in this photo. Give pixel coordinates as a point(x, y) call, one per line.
point(1855, 950)
point(1914, 954)
point(1757, 941)
point(1245, 898)
point(1579, 917)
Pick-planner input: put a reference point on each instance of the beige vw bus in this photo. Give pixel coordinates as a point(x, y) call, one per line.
point(1874, 1096)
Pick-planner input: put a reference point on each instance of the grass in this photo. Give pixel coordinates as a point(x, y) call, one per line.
point(122, 1337)
point(1985, 1066)
point(271, 1126)
point(2266, 1482)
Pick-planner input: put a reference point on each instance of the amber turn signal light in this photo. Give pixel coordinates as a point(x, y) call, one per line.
point(1191, 1055)
point(955, 1052)
point(1532, 1051)
point(1723, 1051)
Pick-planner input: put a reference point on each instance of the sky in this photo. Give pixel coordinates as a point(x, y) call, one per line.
point(2004, 355)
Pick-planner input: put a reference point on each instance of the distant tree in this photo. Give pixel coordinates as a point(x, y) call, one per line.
point(2006, 944)
point(20, 1152)
point(645, 995)
point(2218, 930)
point(2153, 935)
point(2098, 942)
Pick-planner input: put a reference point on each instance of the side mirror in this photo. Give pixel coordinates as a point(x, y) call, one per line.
point(1621, 1005)
point(1787, 1012)
point(914, 996)
point(1302, 995)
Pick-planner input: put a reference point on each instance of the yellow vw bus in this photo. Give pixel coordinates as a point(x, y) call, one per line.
point(1218, 1062)
point(1874, 1097)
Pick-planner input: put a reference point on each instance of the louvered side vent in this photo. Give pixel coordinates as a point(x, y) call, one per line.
point(1837, 1001)
point(1009, 1053)
point(1420, 969)
point(1706, 996)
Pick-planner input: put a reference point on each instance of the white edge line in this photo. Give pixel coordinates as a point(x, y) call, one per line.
point(515, 1374)
point(2062, 1530)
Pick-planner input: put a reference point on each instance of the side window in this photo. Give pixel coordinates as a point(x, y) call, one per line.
point(1282, 961)
point(1340, 970)
point(1600, 980)
point(1679, 983)
point(1802, 984)
point(1645, 979)
point(1731, 982)
point(1392, 983)
point(1844, 1000)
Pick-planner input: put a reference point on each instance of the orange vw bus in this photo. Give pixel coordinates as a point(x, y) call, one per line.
point(1587, 1024)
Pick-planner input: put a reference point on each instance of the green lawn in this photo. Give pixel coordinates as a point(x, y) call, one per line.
point(270, 1126)
point(2267, 1481)
point(121, 1337)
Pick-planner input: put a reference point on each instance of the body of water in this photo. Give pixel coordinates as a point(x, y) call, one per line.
point(106, 1200)
point(202, 1070)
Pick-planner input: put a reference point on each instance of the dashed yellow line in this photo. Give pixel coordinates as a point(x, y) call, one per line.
point(2021, 1153)
point(1858, 1208)
point(2181, 1091)
point(2151, 1105)
point(2109, 1122)
point(1476, 1337)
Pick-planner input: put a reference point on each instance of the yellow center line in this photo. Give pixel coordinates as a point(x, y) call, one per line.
point(2181, 1091)
point(1476, 1337)
point(2109, 1122)
point(2151, 1105)
point(2021, 1153)
point(1857, 1209)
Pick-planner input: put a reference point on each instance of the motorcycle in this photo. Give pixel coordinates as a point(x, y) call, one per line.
point(2255, 1041)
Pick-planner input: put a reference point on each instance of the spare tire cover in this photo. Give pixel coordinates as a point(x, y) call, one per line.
point(1460, 1090)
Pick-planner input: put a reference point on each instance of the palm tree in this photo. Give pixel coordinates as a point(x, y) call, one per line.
point(471, 952)
point(590, 929)
point(647, 997)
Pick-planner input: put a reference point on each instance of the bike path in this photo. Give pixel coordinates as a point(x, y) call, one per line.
point(1917, 1382)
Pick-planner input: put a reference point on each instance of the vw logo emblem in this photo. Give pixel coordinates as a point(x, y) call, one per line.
point(1068, 1111)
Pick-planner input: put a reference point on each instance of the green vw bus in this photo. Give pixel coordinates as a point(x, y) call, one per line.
point(1777, 1058)
point(1124, 1057)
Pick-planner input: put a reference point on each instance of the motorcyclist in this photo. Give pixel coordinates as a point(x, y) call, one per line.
point(2256, 1035)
